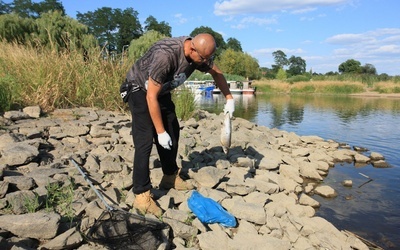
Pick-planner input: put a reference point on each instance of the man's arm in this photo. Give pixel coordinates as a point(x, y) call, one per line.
point(220, 81)
point(153, 89)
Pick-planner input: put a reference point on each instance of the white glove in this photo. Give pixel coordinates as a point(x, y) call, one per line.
point(165, 140)
point(229, 107)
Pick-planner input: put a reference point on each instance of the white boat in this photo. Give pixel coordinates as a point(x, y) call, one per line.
point(238, 88)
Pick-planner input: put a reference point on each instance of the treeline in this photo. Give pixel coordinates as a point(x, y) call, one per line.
point(45, 24)
point(114, 31)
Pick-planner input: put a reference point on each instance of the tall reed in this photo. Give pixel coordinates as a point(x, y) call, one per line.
point(184, 102)
point(53, 79)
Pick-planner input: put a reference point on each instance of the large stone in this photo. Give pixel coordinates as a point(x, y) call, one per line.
point(325, 191)
point(34, 225)
point(18, 154)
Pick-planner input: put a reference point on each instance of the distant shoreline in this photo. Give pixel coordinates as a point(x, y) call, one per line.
point(377, 94)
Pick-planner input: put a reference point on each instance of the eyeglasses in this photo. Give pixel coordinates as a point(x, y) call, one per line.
point(203, 59)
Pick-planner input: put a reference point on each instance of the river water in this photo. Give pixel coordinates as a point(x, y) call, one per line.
point(369, 209)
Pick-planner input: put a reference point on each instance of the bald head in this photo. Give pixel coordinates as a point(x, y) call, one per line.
point(205, 44)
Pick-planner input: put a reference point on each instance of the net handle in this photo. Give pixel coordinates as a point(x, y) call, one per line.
point(91, 185)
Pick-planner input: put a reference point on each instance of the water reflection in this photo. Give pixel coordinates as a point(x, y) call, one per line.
point(372, 211)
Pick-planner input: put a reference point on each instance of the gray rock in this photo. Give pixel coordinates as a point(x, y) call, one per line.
point(181, 229)
point(308, 201)
point(260, 181)
point(380, 164)
point(21, 201)
point(251, 212)
point(360, 158)
point(15, 115)
point(35, 225)
point(32, 111)
point(208, 176)
point(213, 240)
point(18, 154)
point(325, 191)
point(20, 182)
point(68, 240)
point(376, 156)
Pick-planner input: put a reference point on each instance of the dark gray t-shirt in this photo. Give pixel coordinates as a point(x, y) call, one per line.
point(165, 62)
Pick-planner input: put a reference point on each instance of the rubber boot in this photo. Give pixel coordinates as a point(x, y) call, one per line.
point(146, 205)
point(174, 181)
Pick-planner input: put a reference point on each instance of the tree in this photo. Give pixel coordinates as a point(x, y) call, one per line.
point(368, 69)
point(60, 32)
point(13, 28)
point(251, 67)
point(238, 63)
point(219, 40)
point(297, 66)
point(112, 26)
point(48, 6)
point(4, 8)
point(383, 77)
point(29, 9)
point(151, 23)
point(281, 74)
point(129, 27)
point(233, 43)
point(139, 46)
point(350, 66)
point(280, 60)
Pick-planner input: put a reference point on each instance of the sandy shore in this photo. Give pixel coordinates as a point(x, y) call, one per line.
point(377, 94)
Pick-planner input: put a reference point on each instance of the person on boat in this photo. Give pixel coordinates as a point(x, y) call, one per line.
point(147, 90)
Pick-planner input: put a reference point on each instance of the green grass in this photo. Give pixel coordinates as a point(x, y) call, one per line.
point(303, 89)
point(184, 103)
point(31, 204)
point(265, 88)
point(60, 198)
point(342, 89)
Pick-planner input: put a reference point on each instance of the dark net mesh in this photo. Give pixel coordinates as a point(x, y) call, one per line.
point(118, 229)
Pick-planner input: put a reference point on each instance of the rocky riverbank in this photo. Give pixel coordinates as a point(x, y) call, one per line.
point(266, 181)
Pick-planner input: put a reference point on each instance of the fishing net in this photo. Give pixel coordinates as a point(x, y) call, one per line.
point(118, 229)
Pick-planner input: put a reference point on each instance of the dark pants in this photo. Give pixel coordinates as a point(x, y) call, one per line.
point(143, 133)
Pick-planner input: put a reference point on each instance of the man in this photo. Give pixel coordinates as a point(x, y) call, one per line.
point(165, 66)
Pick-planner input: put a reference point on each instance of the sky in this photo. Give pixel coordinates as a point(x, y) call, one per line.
point(325, 33)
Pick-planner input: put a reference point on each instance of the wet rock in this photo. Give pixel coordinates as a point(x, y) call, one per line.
point(380, 164)
point(347, 183)
point(325, 191)
point(376, 156)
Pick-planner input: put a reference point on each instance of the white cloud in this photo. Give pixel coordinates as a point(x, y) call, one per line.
point(390, 49)
point(268, 52)
point(368, 44)
point(247, 21)
point(305, 10)
point(237, 7)
point(347, 39)
point(180, 19)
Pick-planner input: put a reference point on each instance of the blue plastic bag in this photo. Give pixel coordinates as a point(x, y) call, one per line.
point(209, 211)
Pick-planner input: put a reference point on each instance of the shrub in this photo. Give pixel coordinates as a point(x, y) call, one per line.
point(298, 78)
point(184, 102)
point(303, 89)
point(342, 89)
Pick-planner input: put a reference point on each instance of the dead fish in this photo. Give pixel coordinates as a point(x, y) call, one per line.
point(226, 133)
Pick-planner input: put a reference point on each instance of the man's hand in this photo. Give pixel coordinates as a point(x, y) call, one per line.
point(165, 140)
point(229, 107)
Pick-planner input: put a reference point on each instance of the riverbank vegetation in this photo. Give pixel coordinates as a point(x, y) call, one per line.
point(334, 86)
point(52, 60)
